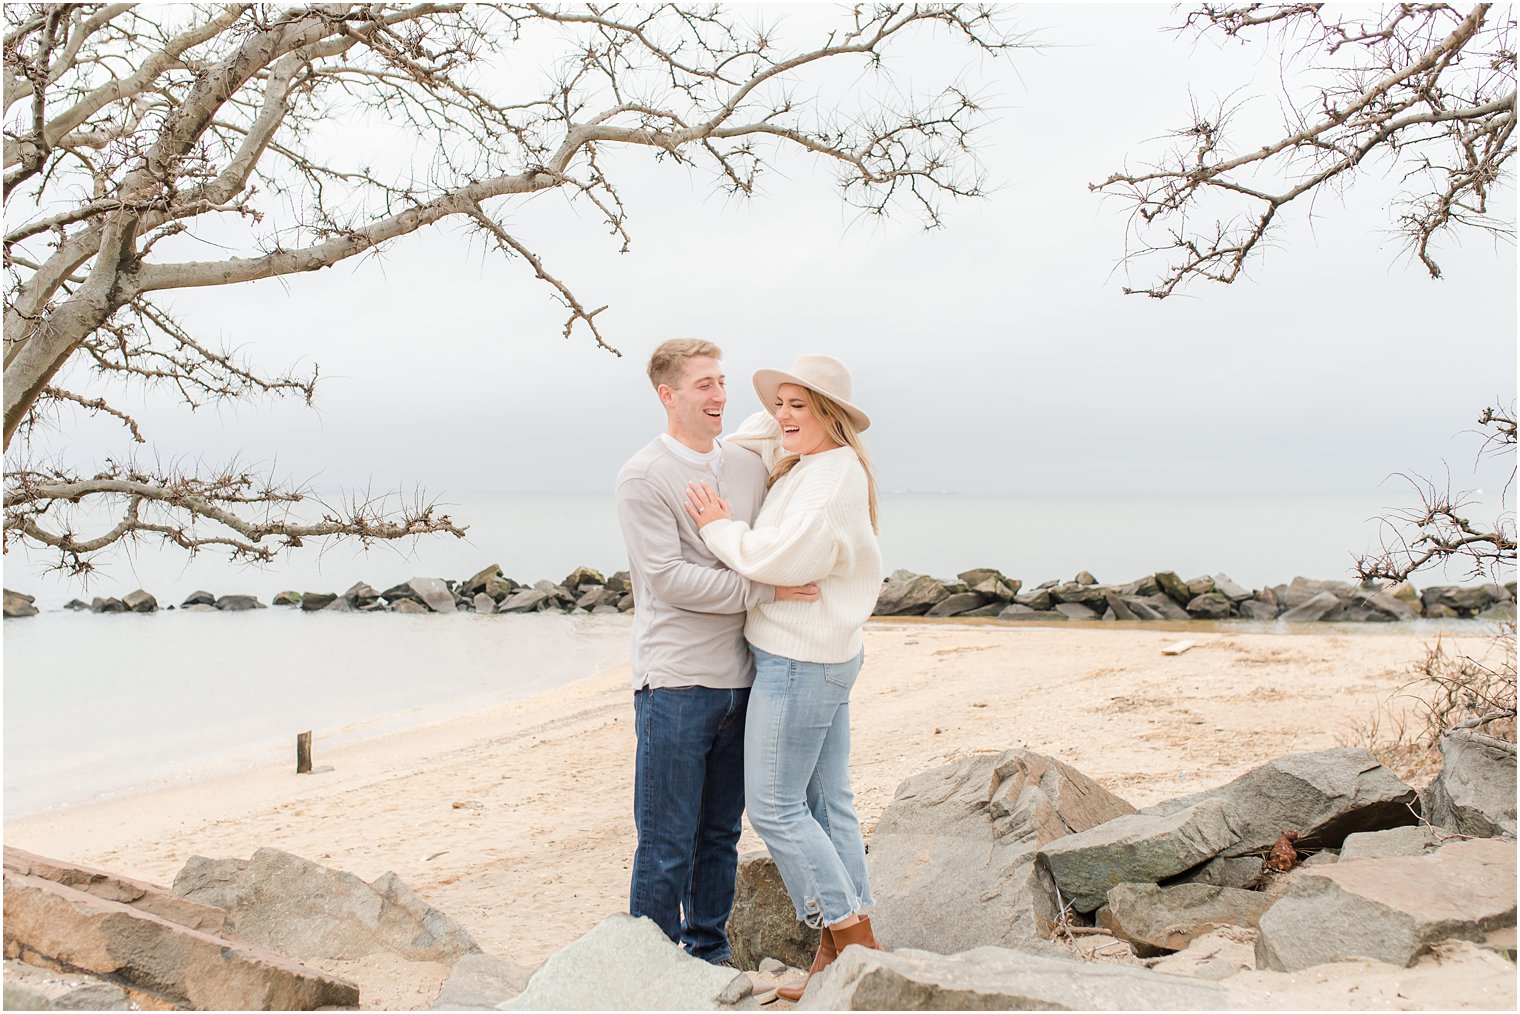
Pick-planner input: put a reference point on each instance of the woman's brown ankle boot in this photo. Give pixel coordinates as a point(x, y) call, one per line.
point(827, 952)
point(860, 933)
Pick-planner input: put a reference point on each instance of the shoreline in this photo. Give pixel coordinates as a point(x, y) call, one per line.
point(542, 832)
point(417, 716)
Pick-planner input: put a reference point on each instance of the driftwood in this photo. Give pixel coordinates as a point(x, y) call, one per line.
point(303, 753)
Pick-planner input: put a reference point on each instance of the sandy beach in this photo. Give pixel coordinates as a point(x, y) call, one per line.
point(517, 821)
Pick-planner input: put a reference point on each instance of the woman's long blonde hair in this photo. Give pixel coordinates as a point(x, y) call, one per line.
point(842, 431)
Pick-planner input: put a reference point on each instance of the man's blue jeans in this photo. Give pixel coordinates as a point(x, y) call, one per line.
point(688, 800)
point(797, 767)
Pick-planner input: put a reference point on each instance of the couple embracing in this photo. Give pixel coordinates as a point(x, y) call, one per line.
point(754, 566)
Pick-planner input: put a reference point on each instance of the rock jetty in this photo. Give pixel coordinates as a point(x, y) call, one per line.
point(980, 593)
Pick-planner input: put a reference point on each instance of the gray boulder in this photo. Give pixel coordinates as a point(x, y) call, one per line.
point(1159, 919)
point(527, 600)
point(30, 988)
point(433, 593)
point(500, 587)
point(1324, 796)
point(1200, 586)
point(999, 589)
point(1243, 872)
point(483, 603)
point(763, 923)
point(401, 605)
point(315, 913)
point(620, 583)
point(286, 598)
point(1138, 848)
point(1141, 586)
point(109, 604)
point(1173, 587)
point(199, 598)
point(952, 860)
point(1384, 605)
point(992, 978)
point(1229, 589)
point(477, 583)
point(583, 575)
point(74, 605)
point(1075, 611)
point(480, 981)
point(1453, 601)
point(625, 963)
point(18, 604)
point(1312, 609)
point(1391, 910)
point(1475, 791)
point(238, 603)
point(1414, 840)
point(140, 601)
point(1301, 589)
point(312, 601)
point(1119, 606)
point(360, 595)
point(909, 594)
point(1164, 607)
point(1209, 606)
point(1014, 612)
point(1038, 599)
point(1087, 595)
point(593, 595)
point(955, 605)
point(1256, 609)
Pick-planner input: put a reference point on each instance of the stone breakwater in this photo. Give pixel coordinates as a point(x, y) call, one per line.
point(982, 592)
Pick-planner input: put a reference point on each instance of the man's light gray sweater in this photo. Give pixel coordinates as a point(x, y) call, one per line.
point(689, 609)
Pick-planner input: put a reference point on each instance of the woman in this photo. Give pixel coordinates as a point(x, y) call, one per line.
point(818, 524)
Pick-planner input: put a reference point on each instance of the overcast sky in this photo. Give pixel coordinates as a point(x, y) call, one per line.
point(996, 355)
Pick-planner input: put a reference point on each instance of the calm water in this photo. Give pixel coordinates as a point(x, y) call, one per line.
point(104, 704)
point(98, 705)
point(1256, 540)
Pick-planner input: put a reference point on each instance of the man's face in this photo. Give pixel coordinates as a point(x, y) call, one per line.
point(696, 405)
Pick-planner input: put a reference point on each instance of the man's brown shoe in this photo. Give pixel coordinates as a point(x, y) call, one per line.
point(827, 952)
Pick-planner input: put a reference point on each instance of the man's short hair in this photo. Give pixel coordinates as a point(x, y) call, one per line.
point(669, 360)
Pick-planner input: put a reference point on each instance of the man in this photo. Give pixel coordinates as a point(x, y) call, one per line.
point(691, 667)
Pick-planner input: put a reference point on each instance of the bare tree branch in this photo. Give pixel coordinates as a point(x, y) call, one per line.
point(1428, 87)
point(139, 136)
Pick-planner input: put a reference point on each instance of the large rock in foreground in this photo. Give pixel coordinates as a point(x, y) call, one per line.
point(1475, 791)
point(1391, 910)
point(162, 963)
point(628, 964)
point(481, 982)
point(992, 978)
point(952, 858)
point(763, 923)
point(1324, 796)
point(1159, 919)
point(138, 894)
point(1138, 848)
point(311, 912)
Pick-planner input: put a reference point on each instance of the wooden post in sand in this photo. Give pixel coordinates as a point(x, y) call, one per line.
point(303, 753)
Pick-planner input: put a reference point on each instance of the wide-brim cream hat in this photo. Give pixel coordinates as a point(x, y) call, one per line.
point(823, 374)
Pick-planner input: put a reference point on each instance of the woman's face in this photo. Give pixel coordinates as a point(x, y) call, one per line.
point(802, 432)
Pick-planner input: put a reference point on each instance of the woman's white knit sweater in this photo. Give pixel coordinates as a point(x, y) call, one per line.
point(815, 525)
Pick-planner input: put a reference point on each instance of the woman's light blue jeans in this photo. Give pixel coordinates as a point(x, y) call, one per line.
point(797, 783)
